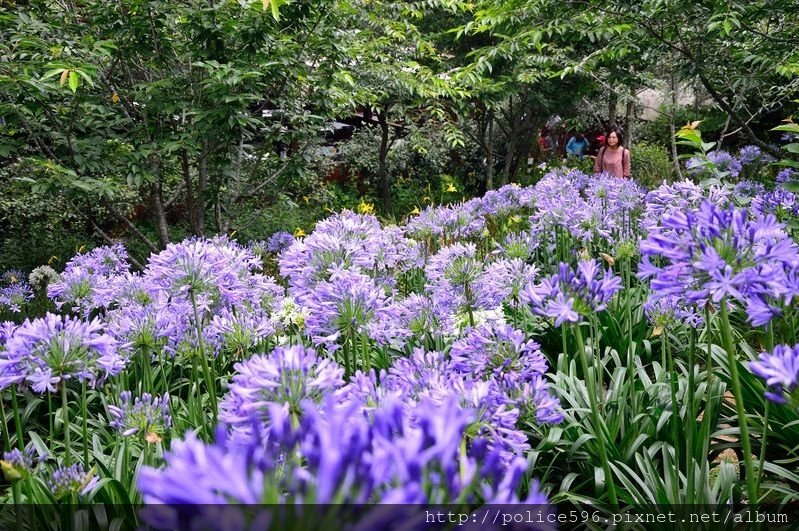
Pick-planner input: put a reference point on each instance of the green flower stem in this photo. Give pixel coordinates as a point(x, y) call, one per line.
point(17, 418)
point(85, 425)
point(15, 489)
point(708, 391)
point(367, 362)
point(726, 334)
point(65, 413)
point(691, 424)
point(50, 417)
point(346, 349)
point(600, 436)
point(6, 440)
point(675, 407)
point(630, 356)
point(210, 381)
point(769, 348)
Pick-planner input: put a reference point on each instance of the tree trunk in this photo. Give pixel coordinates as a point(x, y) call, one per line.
point(489, 151)
point(157, 204)
point(382, 170)
point(202, 186)
point(613, 103)
point(191, 207)
point(629, 116)
point(674, 154)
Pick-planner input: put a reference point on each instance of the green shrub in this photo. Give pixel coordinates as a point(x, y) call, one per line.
point(651, 164)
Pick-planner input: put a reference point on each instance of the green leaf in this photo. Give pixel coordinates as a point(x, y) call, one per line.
point(790, 127)
point(74, 80)
point(52, 73)
point(791, 148)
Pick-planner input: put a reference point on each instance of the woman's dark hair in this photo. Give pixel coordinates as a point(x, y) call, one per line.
point(619, 135)
point(580, 137)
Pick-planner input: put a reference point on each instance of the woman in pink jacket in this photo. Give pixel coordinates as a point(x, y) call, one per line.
point(613, 157)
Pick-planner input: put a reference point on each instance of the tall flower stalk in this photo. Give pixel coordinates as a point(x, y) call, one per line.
point(746, 446)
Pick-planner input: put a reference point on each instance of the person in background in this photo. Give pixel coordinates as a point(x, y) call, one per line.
point(576, 146)
point(613, 157)
point(596, 145)
point(544, 146)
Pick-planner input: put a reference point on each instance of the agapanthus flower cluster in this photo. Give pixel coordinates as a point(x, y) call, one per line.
point(238, 333)
point(448, 223)
point(72, 480)
point(15, 296)
point(666, 312)
point(286, 377)
point(451, 277)
point(779, 202)
point(49, 351)
point(335, 455)
point(504, 280)
point(747, 188)
point(496, 352)
point(786, 175)
point(216, 273)
point(751, 154)
point(780, 370)
point(344, 307)
point(573, 294)
point(411, 318)
point(602, 209)
point(725, 162)
point(509, 200)
point(84, 274)
point(17, 464)
point(11, 276)
point(716, 253)
point(147, 416)
point(678, 197)
point(345, 241)
point(279, 241)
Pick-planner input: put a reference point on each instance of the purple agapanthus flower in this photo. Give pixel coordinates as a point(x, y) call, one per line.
point(217, 272)
point(17, 464)
point(786, 175)
point(725, 162)
point(451, 277)
point(411, 319)
point(15, 296)
point(716, 253)
point(503, 282)
point(12, 276)
point(147, 415)
point(71, 480)
point(750, 154)
point(279, 241)
point(573, 294)
point(497, 351)
point(749, 188)
point(780, 370)
point(344, 307)
point(671, 310)
point(239, 333)
point(286, 377)
point(780, 202)
point(677, 197)
point(393, 455)
point(84, 274)
point(48, 351)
